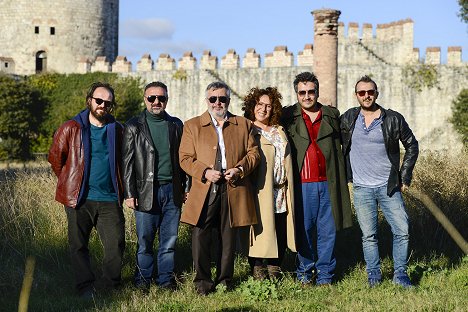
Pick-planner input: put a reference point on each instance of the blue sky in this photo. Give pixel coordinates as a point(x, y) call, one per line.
point(174, 27)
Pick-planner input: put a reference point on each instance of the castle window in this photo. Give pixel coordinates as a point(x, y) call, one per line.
point(52, 31)
point(6, 65)
point(36, 29)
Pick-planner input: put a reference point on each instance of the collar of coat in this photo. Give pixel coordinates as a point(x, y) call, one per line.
point(205, 119)
point(294, 118)
point(326, 110)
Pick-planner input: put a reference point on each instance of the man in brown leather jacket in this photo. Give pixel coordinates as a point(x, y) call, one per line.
point(85, 156)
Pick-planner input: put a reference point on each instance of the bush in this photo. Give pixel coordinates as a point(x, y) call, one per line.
point(19, 111)
point(460, 115)
point(65, 96)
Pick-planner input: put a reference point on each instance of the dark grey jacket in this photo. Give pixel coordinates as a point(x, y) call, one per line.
point(138, 161)
point(394, 129)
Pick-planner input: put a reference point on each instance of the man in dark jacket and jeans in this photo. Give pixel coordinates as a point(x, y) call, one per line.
point(322, 196)
point(85, 156)
point(371, 136)
point(154, 184)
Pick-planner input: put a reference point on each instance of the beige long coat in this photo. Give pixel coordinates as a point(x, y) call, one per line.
point(197, 152)
point(263, 240)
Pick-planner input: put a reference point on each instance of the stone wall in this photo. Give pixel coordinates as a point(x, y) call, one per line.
point(61, 32)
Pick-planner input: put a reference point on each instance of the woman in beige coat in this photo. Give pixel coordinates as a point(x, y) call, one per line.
point(273, 181)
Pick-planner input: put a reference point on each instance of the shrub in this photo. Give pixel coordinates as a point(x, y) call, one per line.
point(65, 97)
point(460, 115)
point(18, 118)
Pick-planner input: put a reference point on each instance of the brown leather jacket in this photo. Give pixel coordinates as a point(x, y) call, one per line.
point(69, 157)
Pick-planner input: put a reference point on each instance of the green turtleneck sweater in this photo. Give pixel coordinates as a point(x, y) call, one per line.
point(158, 126)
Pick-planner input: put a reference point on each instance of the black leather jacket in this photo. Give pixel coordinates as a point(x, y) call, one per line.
point(138, 161)
point(395, 129)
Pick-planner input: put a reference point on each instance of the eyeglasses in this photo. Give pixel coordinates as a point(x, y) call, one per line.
point(161, 98)
point(99, 101)
point(363, 92)
point(222, 99)
point(308, 92)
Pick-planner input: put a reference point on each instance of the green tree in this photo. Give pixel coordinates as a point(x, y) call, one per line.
point(460, 115)
point(463, 14)
point(65, 97)
point(19, 117)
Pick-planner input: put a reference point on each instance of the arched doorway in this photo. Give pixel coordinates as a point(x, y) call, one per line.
point(41, 62)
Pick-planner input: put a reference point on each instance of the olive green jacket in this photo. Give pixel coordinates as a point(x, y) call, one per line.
point(329, 142)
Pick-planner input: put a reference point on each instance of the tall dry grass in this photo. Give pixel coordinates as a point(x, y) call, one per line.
point(444, 178)
point(33, 224)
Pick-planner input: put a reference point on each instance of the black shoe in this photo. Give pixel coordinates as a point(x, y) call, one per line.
point(143, 286)
point(171, 286)
point(88, 294)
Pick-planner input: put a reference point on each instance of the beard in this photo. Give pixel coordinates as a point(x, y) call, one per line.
point(220, 113)
point(98, 113)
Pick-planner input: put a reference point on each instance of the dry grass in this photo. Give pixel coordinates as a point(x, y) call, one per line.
point(32, 223)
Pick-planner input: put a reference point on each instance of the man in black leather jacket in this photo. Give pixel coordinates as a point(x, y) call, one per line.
point(154, 184)
point(371, 136)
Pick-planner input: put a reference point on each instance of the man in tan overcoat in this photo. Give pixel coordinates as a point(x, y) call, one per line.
point(218, 151)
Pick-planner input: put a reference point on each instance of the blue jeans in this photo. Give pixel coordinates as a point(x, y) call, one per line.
point(164, 216)
point(366, 200)
point(315, 217)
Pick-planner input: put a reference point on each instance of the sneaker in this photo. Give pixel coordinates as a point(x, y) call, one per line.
point(402, 280)
point(373, 282)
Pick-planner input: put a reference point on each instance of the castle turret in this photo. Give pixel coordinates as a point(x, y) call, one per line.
point(57, 35)
point(326, 53)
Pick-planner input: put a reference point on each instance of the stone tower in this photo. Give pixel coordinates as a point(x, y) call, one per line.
point(54, 35)
point(326, 53)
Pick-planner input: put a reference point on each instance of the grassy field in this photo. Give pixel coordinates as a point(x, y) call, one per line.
point(32, 224)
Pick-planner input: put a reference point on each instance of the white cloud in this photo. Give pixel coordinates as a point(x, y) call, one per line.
point(148, 29)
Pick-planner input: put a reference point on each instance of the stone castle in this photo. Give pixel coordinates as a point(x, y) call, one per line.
point(71, 39)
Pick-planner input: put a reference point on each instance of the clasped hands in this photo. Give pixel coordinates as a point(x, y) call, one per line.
point(231, 175)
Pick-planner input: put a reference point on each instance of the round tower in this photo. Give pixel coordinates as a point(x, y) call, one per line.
point(326, 53)
point(54, 35)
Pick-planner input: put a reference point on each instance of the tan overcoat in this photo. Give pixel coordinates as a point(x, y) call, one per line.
point(263, 240)
point(197, 152)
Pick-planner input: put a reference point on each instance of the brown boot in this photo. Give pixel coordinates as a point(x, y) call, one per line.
point(274, 272)
point(258, 273)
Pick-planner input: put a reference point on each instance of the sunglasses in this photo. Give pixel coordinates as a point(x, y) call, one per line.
point(222, 99)
point(161, 98)
point(363, 92)
point(100, 101)
point(304, 92)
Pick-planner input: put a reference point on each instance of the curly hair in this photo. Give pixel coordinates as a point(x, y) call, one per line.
point(252, 98)
point(306, 77)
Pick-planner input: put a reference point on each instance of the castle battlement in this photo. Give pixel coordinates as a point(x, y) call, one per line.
point(280, 57)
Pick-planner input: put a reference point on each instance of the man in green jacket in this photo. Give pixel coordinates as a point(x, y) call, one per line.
point(323, 204)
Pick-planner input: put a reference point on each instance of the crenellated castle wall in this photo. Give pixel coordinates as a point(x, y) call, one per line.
point(383, 51)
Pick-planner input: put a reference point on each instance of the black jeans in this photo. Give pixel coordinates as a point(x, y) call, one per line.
point(109, 221)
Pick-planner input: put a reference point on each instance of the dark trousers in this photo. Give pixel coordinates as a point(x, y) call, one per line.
point(281, 242)
point(109, 221)
point(215, 216)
